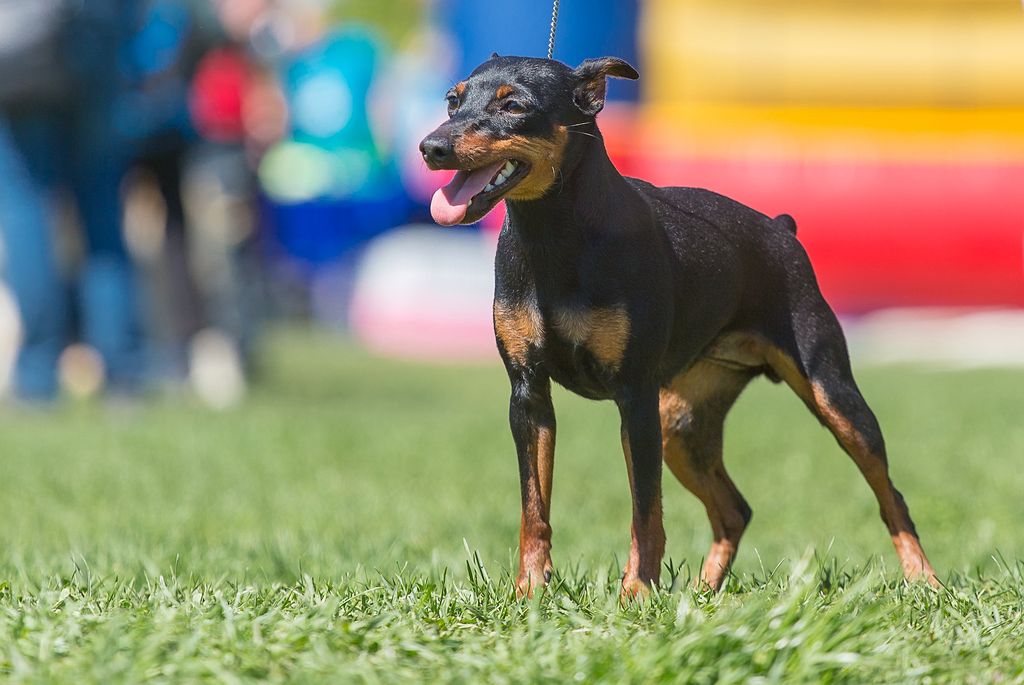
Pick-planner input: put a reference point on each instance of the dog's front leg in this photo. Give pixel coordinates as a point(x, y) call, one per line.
point(532, 418)
point(641, 443)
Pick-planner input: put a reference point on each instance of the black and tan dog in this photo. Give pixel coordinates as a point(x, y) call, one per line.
point(668, 301)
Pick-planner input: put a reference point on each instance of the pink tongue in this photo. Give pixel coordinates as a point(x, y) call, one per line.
point(450, 203)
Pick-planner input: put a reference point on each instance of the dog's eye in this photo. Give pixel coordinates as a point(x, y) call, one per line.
point(453, 102)
point(514, 107)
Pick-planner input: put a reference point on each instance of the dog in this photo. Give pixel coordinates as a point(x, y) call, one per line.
point(668, 301)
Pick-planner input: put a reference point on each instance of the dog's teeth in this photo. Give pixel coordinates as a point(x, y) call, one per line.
point(502, 177)
point(508, 168)
point(489, 186)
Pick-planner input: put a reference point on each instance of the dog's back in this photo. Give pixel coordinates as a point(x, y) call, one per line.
point(749, 264)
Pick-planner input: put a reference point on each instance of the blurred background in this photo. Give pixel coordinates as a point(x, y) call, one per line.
point(177, 175)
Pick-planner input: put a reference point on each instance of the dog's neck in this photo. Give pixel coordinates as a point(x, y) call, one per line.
point(587, 192)
point(588, 198)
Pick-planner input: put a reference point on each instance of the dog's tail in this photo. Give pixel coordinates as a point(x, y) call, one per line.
point(787, 222)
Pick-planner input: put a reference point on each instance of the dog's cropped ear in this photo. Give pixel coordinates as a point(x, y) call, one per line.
point(591, 86)
point(495, 55)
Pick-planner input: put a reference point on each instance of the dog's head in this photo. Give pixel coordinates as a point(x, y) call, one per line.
point(509, 126)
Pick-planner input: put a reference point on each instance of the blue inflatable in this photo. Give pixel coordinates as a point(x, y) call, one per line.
point(585, 29)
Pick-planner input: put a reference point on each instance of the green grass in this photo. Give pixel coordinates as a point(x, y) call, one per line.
point(356, 519)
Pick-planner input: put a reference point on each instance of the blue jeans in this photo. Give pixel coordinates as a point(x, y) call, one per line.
point(40, 150)
point(30, 270)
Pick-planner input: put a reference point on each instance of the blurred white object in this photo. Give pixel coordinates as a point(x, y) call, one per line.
point(215, 369)
point(10, 337)
point(425, 292)
point(952, 338)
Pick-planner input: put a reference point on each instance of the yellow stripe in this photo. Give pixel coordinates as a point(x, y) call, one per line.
point(985, 135)
point(834, 52)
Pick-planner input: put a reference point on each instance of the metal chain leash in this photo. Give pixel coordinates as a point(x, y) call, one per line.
point(554, 25)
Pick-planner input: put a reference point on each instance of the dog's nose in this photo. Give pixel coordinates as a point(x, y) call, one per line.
point(437, 150)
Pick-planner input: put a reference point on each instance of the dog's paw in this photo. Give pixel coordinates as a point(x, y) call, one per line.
point(634, 589)
point(528, 583)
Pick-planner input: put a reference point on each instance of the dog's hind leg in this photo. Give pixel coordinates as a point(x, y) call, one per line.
point(814, 362)
point(693, 413)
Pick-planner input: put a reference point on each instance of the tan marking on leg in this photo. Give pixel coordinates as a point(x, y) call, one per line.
point(752, 349)
point(849, 437)
point(738, 348)
point(535, 526)
point(705, 477)
point(717, 564)
point(727, 524)
point(873, 467)
point(697, 384)
point(604, 332)
point(647, 544)
point(647, 548)
point(634, 556)
point(787, 368)
point(875, 470)
point(517, 327)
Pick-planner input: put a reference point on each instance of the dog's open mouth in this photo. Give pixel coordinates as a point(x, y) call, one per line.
point(474, 192)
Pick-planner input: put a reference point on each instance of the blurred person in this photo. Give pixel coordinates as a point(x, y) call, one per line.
point(57, 132)
point(198, 109)
point(238, 110)
point(157, 59)
point(29, 267)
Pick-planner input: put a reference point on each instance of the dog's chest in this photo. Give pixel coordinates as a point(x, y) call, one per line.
point(603, 332)
point(582, 347)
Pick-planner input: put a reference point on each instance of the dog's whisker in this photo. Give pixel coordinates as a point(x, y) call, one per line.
point(583, 133)
point(557, 175)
